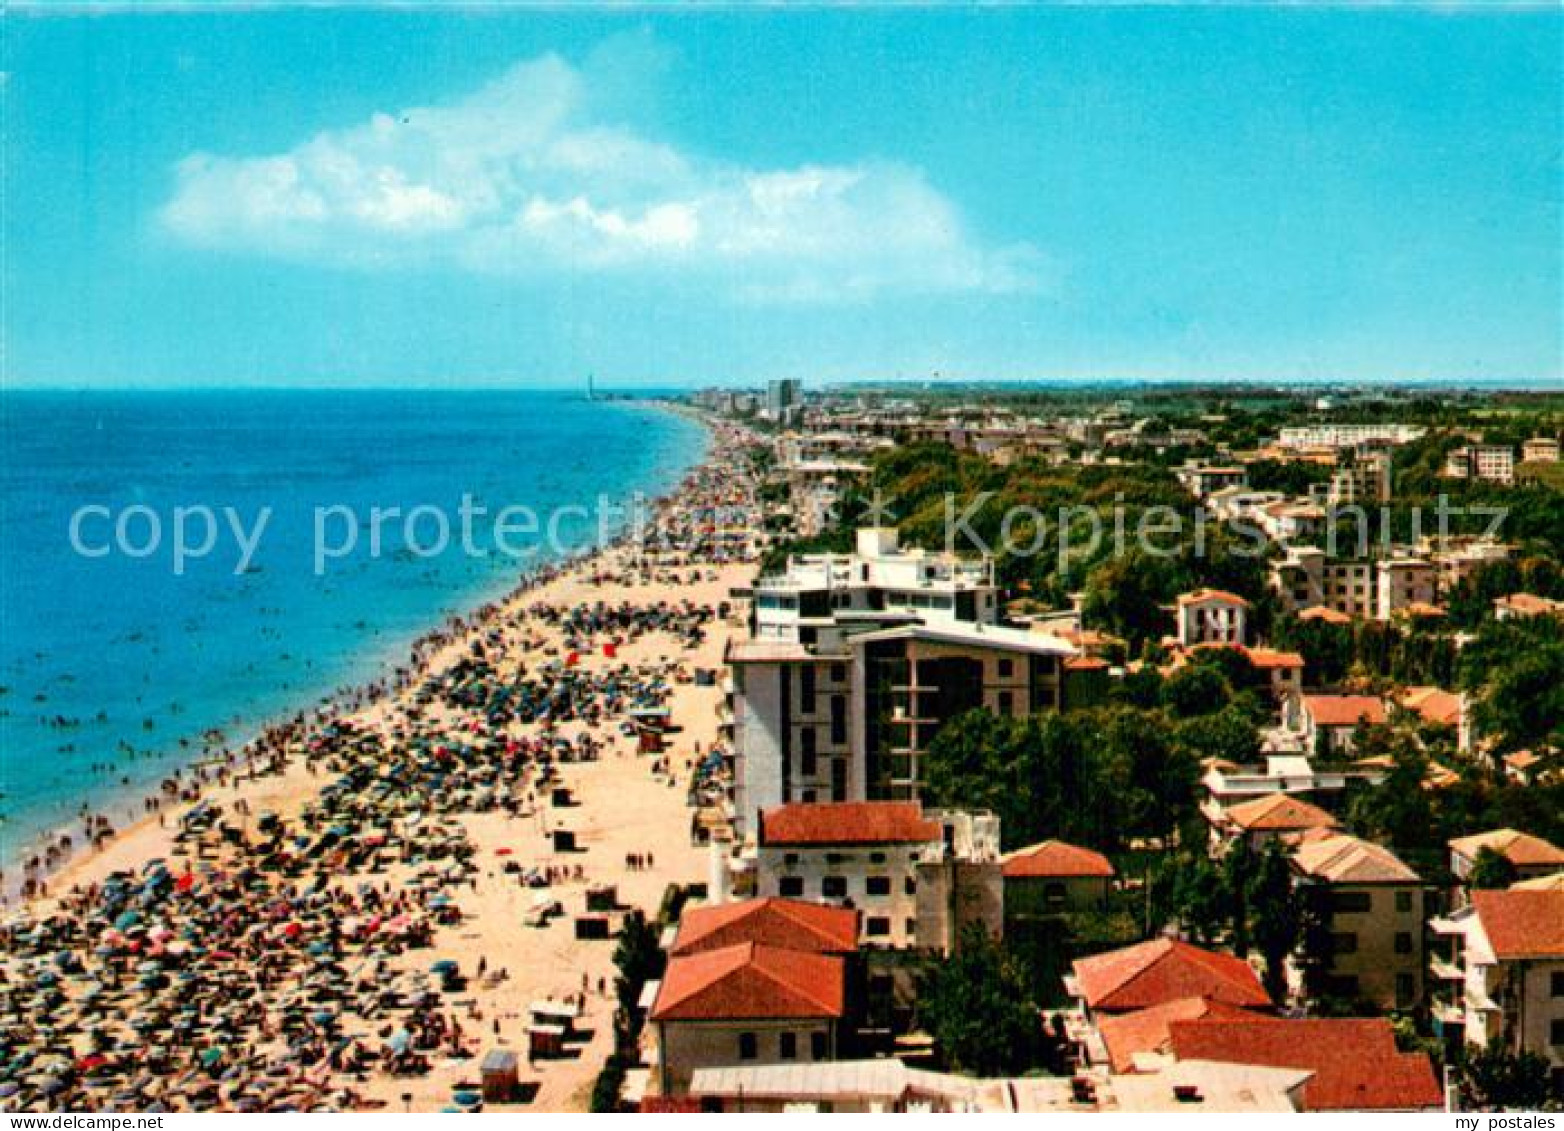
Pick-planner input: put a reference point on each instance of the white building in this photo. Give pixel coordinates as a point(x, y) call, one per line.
point(1502, 974)
point(1493, 462)
point(1347, 435)
point(1211, 616)
point(879, 578)
point(915, 876)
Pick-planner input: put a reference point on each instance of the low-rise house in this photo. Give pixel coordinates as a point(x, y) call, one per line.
point(1354, 1062)
point(1210, 616)
point(1053, 877)
point(1493, 462)
point(1540, 449)
point(917, 876)
point(746, 1003)
point(1372, 905)
point(1504, 974)
point(1157, 972)
point(1329, 723)
point(1529, 855)
point(1518, 606)
point(1274, 816)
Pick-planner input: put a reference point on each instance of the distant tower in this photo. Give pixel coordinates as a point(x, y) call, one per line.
point(591, 392)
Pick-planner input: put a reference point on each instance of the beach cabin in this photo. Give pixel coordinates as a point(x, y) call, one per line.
point(501, 1077)
point(551, 1024)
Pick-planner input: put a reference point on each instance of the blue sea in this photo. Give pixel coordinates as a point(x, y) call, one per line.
point(114, 665)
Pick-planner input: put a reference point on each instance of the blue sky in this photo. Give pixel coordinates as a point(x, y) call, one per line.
point(502, 196)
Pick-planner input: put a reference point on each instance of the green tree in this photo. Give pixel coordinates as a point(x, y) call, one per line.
point(1276, 916)
point(638, 958)
point(1196, 689)
point(1495, 1077)
point(1201, 899)
point(1492, 870)
point(976, 1006)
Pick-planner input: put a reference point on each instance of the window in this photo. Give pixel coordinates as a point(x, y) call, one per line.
point(876, 927)
point(1351, 902)
point(748, 1046)
point(838, 719)
point(791, 887)
point(838, 673)
point(1403, 942)
point(817, 1046)
point(878, 885)
point(1344, 942)
point(876, 857)
point(1053, 894)
point(910, 885)
point(834, 887)
point(1556, 1031)
point(807, 738)
point(911, 927)
point(1403, 901)
point(807, 797)
point(1006, 704)
point(806, 690)
point(787, 1046)
point(1556, 983)
point(1406, 990)
point(1006, 668)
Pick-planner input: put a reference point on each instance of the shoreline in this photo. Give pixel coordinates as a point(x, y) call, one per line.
point(130, 806)
point(632, 618)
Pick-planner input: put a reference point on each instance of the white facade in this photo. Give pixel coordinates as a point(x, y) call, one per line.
point(1347, 435)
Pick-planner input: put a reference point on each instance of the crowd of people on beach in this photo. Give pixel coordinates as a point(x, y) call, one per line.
point(264, 964)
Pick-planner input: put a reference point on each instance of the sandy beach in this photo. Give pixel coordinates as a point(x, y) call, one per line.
point(292, 901)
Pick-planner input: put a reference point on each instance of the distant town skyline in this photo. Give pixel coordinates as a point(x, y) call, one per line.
point(489, 196)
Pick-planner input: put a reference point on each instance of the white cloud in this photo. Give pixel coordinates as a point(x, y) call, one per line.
point(520, 178)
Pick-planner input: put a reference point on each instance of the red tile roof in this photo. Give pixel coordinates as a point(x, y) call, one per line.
point(1355, 1062)
point(1055, 858)
point(1085, 663)
point(1267, 658)
point(1279, 812)
point(1434, 705)
point(1160, 971)
point(787, 923)
point(847, 822)
point(1146, 1030)
point(1521, 849)
point(1344, 710)
point(751, 982)
point(1326, 614)
point(1522, 924)
point(1201, 596)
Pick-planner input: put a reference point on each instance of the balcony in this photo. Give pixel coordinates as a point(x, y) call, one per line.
point(1446, 971)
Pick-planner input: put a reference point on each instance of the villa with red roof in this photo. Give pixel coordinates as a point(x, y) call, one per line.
point(1051, 877)
point(1163, 970)
point(1328, 723)
point(1272, 816)
point(1210, 616)
point(1529, 855)
point(917, 877)
point(746, 1003)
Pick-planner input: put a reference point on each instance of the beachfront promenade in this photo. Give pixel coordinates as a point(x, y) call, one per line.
point(266, 954)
